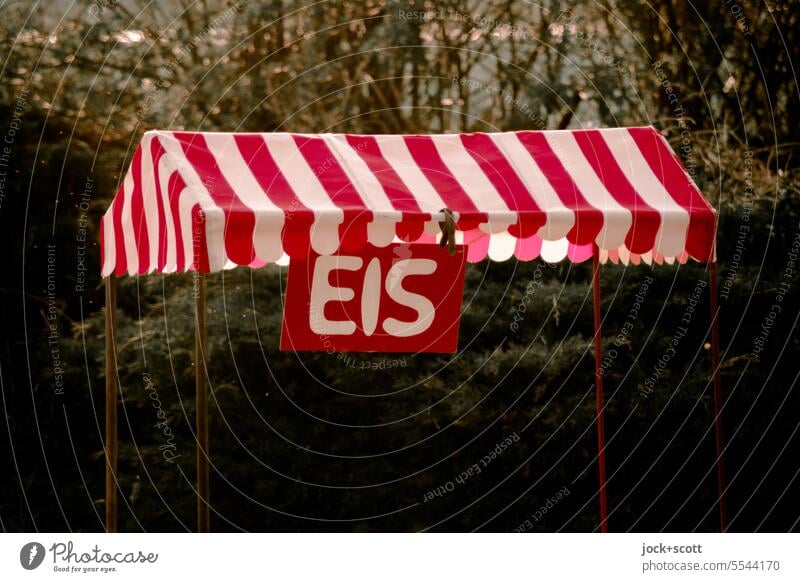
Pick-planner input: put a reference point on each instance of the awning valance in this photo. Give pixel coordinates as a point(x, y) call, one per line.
point(216, 200)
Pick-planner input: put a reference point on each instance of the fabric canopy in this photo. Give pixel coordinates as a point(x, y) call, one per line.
point(211, 201)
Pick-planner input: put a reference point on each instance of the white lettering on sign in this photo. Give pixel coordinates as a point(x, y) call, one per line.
point(422, 305)
point(323, 292)
point(371, 297)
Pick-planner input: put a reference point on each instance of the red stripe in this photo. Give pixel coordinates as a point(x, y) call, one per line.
point(121, 266)
point(396, 190)
point(512, 190)
point(353, 231)
point(588, 219)
point(666, 166)
point(240, 221)
point(410, 228)
point(175, 186)
point(156, 151)
point(298, 218)
point(427, 157)
point(102, 241)
point(646, 220)
point(138, 217)
point(330, 174)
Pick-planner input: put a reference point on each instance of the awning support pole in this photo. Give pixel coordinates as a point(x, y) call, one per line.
point(719, 437)
point(201, 401)
point(598, 383)
point(111, 402)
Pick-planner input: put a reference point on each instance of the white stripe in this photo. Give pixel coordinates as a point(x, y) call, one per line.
point(501, 246)
point(554, 251)
point(269, 218)
point(165, 169)
point(381, 234)
point(109, 242)
point(624, 255)
point(560, 219)
point(384, 216)
point(149, 198)
point(474, 182)
point(324, 236)
point(617, 219)
point(129, 239)
point(238, 174)
point(185, 203)
point(362, 178)
point(396, 153)
point(309, 190)
point(674, 218)
point(214, 235)
point(301, 177)
point(215, 218)
point(432, 228)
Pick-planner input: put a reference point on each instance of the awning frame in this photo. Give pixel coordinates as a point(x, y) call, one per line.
point(210, 223)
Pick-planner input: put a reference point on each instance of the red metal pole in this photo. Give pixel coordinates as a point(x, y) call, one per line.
point(598, 384)
point(719, 437)
point(111, 403)
point(201, 403)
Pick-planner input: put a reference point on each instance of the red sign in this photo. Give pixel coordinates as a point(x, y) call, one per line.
point(399, 298)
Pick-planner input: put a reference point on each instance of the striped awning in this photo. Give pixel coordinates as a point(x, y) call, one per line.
point(211, 201)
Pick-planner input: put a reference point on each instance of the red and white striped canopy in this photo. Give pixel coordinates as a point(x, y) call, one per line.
point(211, 201)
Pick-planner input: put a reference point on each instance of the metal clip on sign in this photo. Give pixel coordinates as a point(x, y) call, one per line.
point(448, 231)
